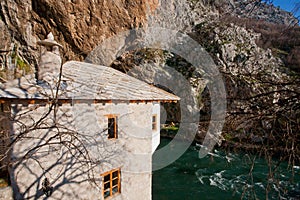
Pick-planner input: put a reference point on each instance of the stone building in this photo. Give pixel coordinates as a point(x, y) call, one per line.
point(86, 133)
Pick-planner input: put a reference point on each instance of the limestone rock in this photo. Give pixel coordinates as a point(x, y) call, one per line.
point(257, 9)
point(6, 193)
point(78, 25)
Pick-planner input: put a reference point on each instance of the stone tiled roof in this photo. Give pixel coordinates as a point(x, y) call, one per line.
point(88, 81)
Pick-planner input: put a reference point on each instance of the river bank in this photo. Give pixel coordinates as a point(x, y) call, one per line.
point(236, 145)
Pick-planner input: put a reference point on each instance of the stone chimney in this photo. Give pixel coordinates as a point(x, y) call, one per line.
point(50, 62)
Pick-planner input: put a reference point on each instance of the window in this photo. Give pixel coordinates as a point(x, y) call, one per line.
point(112, 127)
point(111, 183)
point(154, 122)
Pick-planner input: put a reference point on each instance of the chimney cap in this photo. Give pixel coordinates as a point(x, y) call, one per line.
point(50, 42)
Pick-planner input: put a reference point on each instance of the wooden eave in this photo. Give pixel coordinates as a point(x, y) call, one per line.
point(75, 101)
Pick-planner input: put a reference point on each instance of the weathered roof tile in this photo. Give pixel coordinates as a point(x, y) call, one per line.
point(88, 81)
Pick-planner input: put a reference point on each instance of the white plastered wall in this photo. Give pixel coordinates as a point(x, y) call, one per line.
point(156, 132)
point(131, 152)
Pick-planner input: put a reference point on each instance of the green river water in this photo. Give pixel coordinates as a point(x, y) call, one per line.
point(223, 175)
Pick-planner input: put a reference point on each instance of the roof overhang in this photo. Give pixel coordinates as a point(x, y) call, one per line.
point(78, 101)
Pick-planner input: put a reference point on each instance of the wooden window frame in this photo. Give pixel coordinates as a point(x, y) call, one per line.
point(154, 122)
point(115, 128)
point(112, 186)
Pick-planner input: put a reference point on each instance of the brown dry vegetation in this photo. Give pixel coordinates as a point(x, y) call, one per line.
point(283, 40)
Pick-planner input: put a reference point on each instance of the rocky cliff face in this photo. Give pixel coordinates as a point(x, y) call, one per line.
point(256, 9)
point(81, 25)
point(78, 25)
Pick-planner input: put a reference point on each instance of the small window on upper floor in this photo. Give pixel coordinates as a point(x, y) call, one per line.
point(154, 122)
point(111, 183)
point(112, 127)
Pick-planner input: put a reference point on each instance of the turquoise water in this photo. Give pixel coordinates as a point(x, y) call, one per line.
point(223, 175)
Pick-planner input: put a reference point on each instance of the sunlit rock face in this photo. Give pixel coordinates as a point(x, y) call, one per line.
point(82, 25)
point(257, 10)
point(78, 25)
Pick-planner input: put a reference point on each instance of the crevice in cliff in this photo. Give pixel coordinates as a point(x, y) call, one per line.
point(55, 19)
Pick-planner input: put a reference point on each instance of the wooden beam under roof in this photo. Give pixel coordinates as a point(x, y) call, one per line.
point(76, 101)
